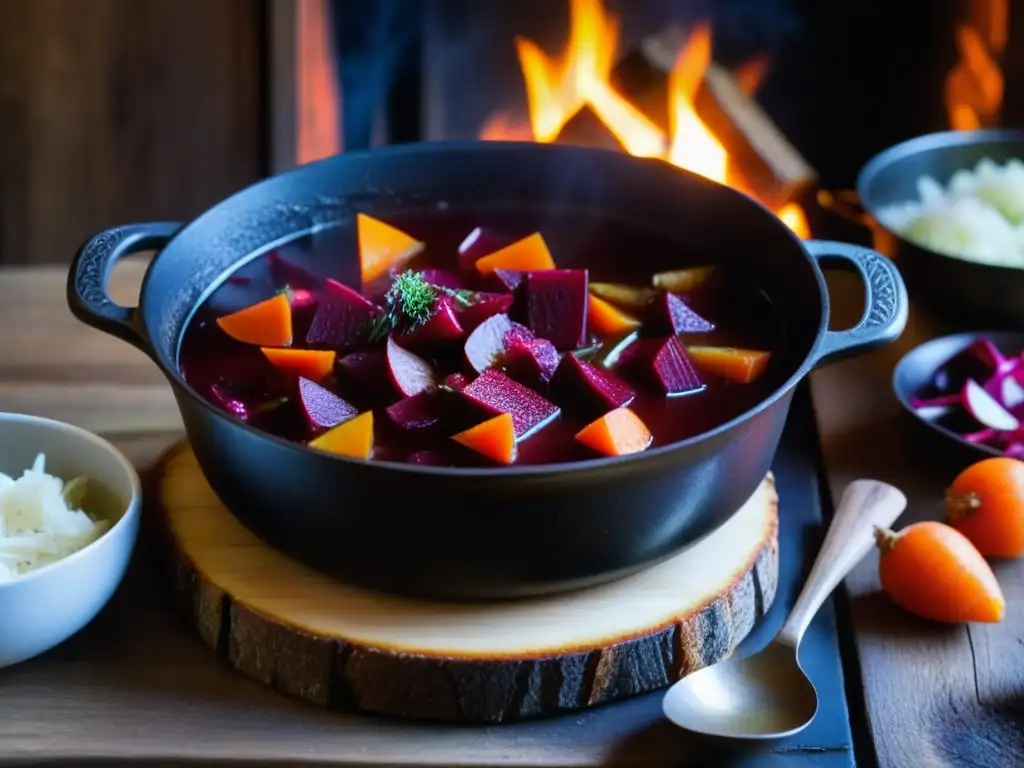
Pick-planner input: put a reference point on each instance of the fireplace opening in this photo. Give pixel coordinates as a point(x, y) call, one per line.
point(775, 97)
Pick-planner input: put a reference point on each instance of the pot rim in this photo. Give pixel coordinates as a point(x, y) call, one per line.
point(171, 369)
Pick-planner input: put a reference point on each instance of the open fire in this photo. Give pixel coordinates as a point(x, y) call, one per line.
point(974, 86)
point(581, 77)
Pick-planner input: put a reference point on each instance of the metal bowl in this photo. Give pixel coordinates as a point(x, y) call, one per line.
point(916, 369)
point(952, 288)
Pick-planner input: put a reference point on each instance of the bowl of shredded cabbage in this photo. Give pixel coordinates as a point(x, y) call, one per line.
point(69, 517)
point(949, 209)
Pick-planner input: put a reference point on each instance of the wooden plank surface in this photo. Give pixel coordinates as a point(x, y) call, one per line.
point(935, 696)
point(138, 685)
point(120, 110)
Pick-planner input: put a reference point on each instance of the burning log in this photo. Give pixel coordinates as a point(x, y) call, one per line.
point(586, 129)
point(773, 169)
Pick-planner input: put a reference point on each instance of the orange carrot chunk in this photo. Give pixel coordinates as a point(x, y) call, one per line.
point(268, 323)
point(616, 433)
point(740, 365)
point(933, 570)
point(682, 280)
point(350, 438)
point(382, 247)
point(629, 297)
point(494, 438)
point(607, 320)
point(312, 364)
point(530, 254)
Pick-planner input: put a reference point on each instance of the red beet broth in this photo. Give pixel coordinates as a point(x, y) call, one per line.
point(238, 377)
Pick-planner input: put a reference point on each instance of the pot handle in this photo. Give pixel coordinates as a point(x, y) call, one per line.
point(885, 299)
point(91, 267)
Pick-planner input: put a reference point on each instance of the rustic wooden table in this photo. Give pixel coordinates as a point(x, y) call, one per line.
point(920, 695)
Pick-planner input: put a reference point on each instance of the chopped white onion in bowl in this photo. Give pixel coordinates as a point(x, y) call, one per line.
point(61, 564)
point(978, 216)
point(41, 521)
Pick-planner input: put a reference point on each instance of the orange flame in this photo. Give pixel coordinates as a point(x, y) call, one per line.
point(974, 86)
point(693, 147)
point(557, 88)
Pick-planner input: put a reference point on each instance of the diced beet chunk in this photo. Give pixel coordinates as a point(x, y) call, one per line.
point(481, 306)
point(410, 373)
point(221, 394)
point(286, 272)
point(322, 408)
point(556, 305)
point(578, 382)
point(508, 279)
point(253, 387)
point(528, 359)
point(479, 243)
point(456, 381)
point(518, 333)
point(662, 364)
point(669, 314)
point(419, 413)
point(443, 325)
point(341, 317)
point(496, 393)
point(253, 407)
point(367, 370)
point(486, 345)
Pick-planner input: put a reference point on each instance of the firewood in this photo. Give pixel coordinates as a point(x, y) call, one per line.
point(586, 129)
point(772, 169)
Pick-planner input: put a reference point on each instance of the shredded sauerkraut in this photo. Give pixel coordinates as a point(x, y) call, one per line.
point(41, 520)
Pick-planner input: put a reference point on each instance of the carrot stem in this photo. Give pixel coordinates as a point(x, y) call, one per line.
point(961, 505)
point(885, 539)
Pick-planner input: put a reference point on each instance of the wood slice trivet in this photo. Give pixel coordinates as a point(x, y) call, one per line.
point(307, 635)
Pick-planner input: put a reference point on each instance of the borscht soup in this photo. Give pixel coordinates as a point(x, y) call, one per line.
point(445, 339)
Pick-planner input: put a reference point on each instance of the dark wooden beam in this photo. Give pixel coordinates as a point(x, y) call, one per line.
point(120, 110)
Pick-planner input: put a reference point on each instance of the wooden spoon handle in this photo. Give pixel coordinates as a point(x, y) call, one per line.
point(864, 506)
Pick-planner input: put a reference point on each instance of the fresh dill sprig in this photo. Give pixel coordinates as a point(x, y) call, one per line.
point(408, 303)
point(461, 295)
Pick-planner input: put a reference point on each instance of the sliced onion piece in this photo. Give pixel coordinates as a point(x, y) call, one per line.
point(1012, 392)
point(986, 409)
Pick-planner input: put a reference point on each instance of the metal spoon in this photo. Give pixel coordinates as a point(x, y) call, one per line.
point(768, 695)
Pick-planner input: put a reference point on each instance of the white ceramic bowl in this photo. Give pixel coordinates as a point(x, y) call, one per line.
point(44, 607)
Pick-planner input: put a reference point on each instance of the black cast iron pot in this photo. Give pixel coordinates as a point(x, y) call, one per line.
point(485, 532)
point(954, 289)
